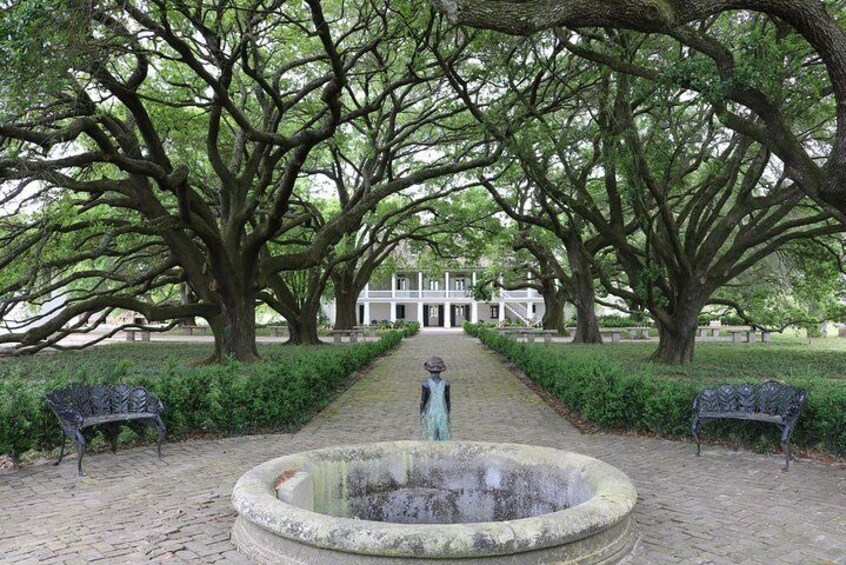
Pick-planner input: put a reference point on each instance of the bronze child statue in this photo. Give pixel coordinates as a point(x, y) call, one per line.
point(434, 402)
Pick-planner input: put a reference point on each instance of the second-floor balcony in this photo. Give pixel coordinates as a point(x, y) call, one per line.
point(452, 294)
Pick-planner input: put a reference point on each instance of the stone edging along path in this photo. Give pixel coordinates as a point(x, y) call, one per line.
point(725, 507)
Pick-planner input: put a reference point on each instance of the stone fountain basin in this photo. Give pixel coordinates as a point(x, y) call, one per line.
point(396, 502)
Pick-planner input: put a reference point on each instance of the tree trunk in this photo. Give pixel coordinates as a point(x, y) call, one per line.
point(187, 297)
point(553, 316)
point(235, 330)
point(675, 346)
point(303, 330)
point(582, 292)
point(587, 328)
point(346, 302)
point(676, 340)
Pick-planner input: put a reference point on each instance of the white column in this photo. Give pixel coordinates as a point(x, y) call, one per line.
point(335, 311)
point(502, 311)
point(529, 312)
point(447, 313)
point(393, 311)
point(420, 312)
point(366, 292)
point(420, 290)
point(393, 285)
point(446, 287)
point(474, 305)
point(366, 320)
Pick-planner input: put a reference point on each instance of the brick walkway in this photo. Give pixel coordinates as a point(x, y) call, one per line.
point(726, 507)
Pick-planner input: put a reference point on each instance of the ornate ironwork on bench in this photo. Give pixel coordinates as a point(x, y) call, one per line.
point(769, 401)
point(81, 406)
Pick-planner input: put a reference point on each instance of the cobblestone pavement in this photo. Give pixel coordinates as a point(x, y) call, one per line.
point(725, 507)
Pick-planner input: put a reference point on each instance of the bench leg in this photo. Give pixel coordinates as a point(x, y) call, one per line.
point(79, 439)
point(112, 432)
point(157, 424)
point(695, 429)
point(785, 446)
point(62, 451)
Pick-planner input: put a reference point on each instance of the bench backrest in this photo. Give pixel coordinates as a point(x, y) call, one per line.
point(97, 400)
point(769, 397)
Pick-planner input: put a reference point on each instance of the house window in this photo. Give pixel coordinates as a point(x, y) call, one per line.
point(495, 311)
point(434, 285)
point(402, 284)
point(459, 284)
point(433, 311)
point(400, 311)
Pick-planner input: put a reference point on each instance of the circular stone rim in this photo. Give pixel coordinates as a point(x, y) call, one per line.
point(614, 498)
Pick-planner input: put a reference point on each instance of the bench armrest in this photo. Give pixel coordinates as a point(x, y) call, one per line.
point(154, 405)
point(66, 414)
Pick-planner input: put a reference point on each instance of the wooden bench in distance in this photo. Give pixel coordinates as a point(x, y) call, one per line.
point(189, 330)
point(353, 335)
point(616, 335)
point(742, 336)
point(130, 334)
point(275, 331)
point(366, 331)
point(639, 333)
point(510, 332)
point(705, 330)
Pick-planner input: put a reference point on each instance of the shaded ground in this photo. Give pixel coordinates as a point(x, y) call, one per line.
point(725, 507)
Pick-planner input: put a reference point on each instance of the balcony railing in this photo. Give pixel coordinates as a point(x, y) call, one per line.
point(415, 294)
point(518, 294)
point(452, 294)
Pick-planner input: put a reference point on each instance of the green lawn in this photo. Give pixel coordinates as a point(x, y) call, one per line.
point(136, 359)
point(784, 358)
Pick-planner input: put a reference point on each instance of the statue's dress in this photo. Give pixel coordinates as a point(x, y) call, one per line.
point(435, 418)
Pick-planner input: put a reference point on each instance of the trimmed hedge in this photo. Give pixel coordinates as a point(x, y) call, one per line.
point(616, 321)
point(409, 329)
point(281, 392)
point(619, 397)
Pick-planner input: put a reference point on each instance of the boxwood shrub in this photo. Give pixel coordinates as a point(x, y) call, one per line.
point(613, 396)
point(281, 392)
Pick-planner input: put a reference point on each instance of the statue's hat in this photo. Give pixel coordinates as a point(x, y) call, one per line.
point(435, 365)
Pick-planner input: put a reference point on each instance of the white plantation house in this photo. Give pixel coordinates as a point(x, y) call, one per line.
point(443, 300)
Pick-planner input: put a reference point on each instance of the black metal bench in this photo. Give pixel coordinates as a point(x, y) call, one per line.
point(81, 406)
point(769, 401)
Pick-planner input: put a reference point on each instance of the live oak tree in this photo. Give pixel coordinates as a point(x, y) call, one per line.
point(406, 157)
point(820, 172)
point(709, 203)
point(673, 190)
point(548, 277)
point(189, 126)
point(109, 137)
point(532, 103)
point(802, 285)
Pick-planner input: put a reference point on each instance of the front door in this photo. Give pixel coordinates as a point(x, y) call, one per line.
point(458, 314)
point(433, 315)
